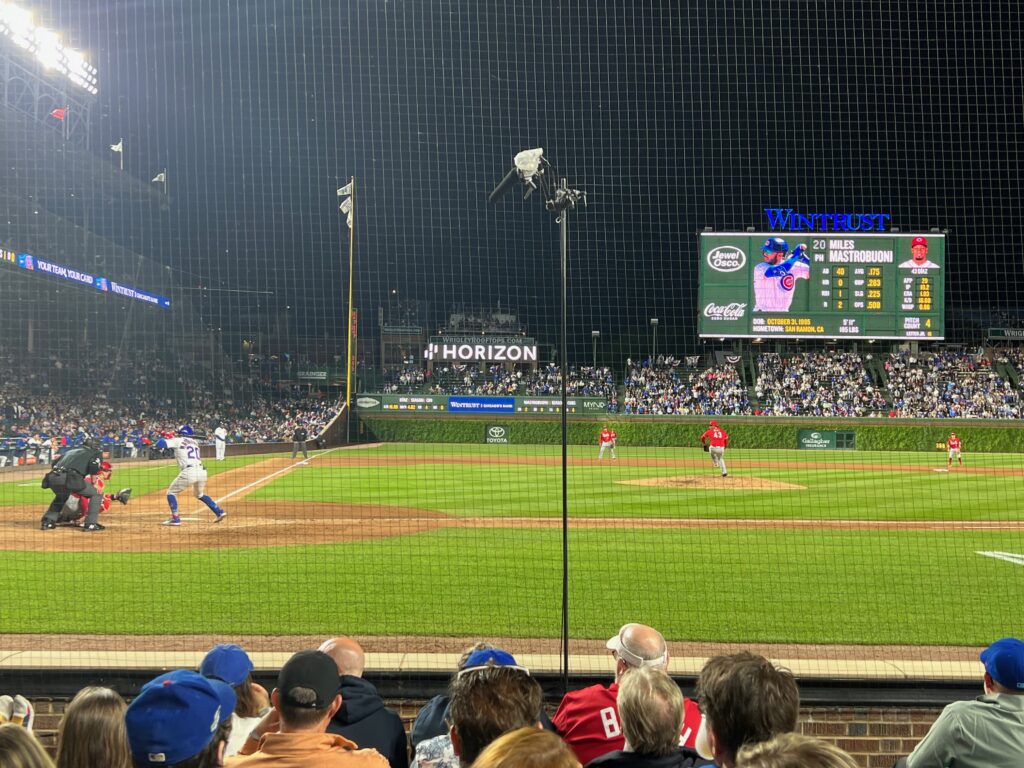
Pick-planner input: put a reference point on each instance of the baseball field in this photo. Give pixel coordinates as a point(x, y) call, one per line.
point(465, 540)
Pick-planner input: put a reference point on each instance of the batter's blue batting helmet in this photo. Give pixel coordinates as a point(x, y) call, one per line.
point(186, 430)
point(775, 245)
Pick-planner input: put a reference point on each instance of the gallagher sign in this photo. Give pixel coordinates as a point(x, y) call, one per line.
point(481, 349)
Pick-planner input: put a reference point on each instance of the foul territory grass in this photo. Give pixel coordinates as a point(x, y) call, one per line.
point(817, 584)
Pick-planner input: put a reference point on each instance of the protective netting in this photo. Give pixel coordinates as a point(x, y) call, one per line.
point(174, 255)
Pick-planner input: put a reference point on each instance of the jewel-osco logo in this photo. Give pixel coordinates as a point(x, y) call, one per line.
point(726, 258)
point(496, 433)
point(367, 402)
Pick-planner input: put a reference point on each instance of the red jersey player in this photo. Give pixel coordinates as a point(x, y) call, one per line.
point(74, 509)
point(953, 443)
point(607, 440)
point(716, 438)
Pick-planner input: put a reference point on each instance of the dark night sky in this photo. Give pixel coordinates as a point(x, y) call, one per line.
point(673, 116)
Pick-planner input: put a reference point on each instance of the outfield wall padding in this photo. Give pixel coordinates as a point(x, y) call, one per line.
point(1004, 436)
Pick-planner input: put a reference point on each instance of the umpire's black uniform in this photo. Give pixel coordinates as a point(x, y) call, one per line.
point(299, 442)
point(67, 477)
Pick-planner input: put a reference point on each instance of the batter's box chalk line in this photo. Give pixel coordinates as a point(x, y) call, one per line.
point(1009, 557)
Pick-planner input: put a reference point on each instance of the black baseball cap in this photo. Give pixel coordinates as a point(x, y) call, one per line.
point(313, 670)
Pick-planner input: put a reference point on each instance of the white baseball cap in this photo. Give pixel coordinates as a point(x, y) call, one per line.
point(617, 646)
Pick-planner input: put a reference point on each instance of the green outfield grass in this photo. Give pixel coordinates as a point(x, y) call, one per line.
point(747, 584)
point(598, 490)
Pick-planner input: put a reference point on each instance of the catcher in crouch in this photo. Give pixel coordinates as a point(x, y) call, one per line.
point(74, 510)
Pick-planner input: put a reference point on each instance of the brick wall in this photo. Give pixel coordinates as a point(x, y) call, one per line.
point(876, 737)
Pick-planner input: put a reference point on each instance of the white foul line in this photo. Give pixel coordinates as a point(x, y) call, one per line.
point(275, 474)
point(1009, 557)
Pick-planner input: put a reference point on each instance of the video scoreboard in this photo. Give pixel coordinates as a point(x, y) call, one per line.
point(800, 285)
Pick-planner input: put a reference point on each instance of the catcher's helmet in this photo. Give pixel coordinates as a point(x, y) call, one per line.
point(186, 430)
point(106, 466)
point(775, 245)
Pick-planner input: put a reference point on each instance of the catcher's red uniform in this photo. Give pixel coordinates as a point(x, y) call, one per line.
point(75, 504)
point(588, 721)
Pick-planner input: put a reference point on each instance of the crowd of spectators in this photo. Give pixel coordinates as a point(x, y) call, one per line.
point(323, 713)
point(668, 388)
point(47, 404)
point(949, 384)
point(830, 383)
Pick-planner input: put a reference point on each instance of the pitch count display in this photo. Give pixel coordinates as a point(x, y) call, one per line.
point(800, 285)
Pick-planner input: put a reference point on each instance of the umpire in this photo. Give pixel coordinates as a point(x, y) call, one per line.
point(299, 439)
point(68, 476)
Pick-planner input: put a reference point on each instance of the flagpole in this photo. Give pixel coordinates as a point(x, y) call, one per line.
point(167, 184)
point(121, 154)
point(348, 345)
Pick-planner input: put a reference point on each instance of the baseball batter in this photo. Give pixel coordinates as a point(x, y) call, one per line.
point(220, 441)
point(607, 440)
point(75, 507)
point(775, 277)
point(716, 440)
point(192, 474)
point(953, 443)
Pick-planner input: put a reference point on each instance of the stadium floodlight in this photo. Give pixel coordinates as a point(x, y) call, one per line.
point(18, 26)
point(526, 166)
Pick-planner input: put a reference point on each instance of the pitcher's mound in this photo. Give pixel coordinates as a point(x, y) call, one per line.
point(716, 482)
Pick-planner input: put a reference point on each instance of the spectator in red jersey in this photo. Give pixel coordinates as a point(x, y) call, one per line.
point(588, 719)
point(715, 440)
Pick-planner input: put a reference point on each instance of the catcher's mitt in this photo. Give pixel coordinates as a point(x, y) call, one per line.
point(123, 495)
point(707, 448)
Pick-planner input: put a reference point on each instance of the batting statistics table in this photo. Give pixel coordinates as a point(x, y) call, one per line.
point(825, 285)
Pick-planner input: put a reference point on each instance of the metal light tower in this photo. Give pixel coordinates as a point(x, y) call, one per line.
point(532, 169)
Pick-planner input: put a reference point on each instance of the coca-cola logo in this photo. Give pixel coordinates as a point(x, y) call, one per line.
point(726, 258)
point(732, 311)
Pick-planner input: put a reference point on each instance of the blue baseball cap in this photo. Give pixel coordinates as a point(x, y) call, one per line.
point(490, 657)
point(1004, 661)
point(227, 662)
point(175, 716)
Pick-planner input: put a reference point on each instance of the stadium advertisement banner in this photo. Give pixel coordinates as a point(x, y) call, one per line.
point(313, 374)
point(822, 285)
point(30, 263)
point(482, 349)
point(582, 405)
point(496, 434)
point(1006, 333)
point(816, 440)
point(481, 404)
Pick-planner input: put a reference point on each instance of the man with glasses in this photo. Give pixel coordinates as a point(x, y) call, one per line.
point(588, 719)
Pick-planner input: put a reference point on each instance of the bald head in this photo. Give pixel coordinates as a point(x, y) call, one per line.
point(638, 645)
point(347, 654)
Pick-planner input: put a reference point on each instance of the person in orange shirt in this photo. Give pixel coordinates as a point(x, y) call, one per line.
point(715, 440)
point(294, 733)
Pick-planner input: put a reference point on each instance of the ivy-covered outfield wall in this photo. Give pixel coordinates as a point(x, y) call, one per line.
point(871, 434)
